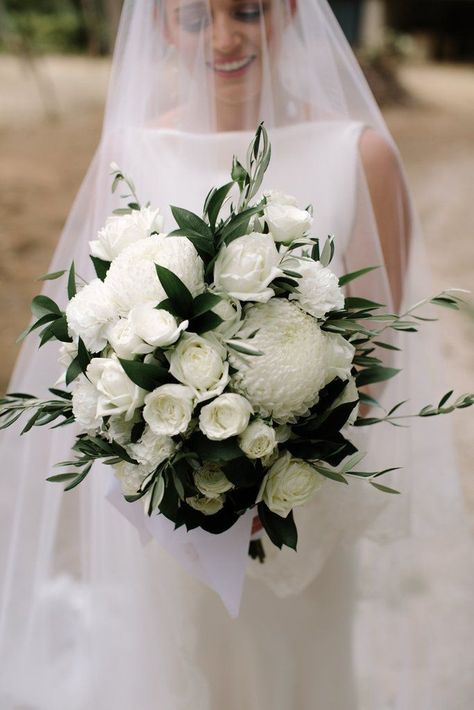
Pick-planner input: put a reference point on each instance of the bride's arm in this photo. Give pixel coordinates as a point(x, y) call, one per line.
point(390, 207)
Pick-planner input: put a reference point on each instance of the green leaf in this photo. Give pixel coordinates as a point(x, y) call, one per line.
point(244, 348)
point(329, 473)
point(76, 481)
point(42, 305)
point(215, 451)
point(176, 290)
point(101, 267)
point(187, 220)
point(215, 203)
point(203, 245)
point(204, 323)
point(281, 531)
point(375, 374)
point(327, 252)
point(48, 318)
point(60, 331)
point(238, 225)
point(71, 282)
point(364, 303)
point(146, 376)
point(241, 472)
point(444, 399)
point(385, 346)
point(61, 477)
point(347, 278)
point(52, 276)
point(205, 302)
point(384, 489)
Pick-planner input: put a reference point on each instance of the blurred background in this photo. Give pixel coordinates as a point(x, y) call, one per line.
point(418, 56)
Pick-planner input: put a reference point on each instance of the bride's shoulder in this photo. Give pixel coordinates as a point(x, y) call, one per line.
point(379, 156)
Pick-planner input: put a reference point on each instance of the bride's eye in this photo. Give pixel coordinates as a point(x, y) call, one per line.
point(250, 12)
point(193, 18)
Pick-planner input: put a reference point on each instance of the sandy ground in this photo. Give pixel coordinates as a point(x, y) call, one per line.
point(42, 162)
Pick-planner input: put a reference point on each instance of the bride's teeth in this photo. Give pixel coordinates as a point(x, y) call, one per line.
point(233, 66)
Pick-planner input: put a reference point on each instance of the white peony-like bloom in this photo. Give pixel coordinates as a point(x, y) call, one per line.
point(211, 481)
point(168, 409)
point(130, 476)
point(156, 326)
point(120, 430)
point(199, 363)
point(122, 230)
point(124, 341)
point(117, 393)
point(227, 415)
point(258, 440)
point(284, 382)
point(290, 482)
point(245, 268)
point(152, 449)
point(285, 220)
point(84, 405)
point(132, 277)
point(89, 314)
point(318, 289)
point(208, 506)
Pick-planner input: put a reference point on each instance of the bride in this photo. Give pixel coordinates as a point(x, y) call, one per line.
point(374, 610)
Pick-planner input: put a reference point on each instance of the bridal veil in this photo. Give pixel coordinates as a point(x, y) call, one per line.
point(91, 616)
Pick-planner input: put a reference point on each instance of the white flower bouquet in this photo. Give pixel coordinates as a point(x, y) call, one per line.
point(218, 368)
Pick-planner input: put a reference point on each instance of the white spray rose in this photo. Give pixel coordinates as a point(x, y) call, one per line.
point(290, 482)
point(208, 506)
point(124, 341)
point(199, 363)
point(258, 440)
point(84, 405)
point(211, 481)
point(156, 326)
point(318, 289)
point(340, 358)
point(117, 393)
point(90, 313)
point(230, 311)
point(132, 276)
point(245, 268)
point(122, 230)
point(285, 220)
point(168, 409)
point(227, 415)
point(152, 449)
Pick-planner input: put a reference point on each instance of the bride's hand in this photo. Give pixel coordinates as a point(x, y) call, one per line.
point(256, 525)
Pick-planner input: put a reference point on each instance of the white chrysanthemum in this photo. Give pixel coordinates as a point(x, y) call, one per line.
point(132, 277)
point(90, 313)
point(84, 405)
point(318, 289)
point(285, 381)
point(122, 230)
point(130, 476)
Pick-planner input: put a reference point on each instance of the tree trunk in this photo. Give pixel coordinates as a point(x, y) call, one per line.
point(112, 9)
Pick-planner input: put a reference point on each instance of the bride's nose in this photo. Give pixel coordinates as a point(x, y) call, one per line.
point(225, 36)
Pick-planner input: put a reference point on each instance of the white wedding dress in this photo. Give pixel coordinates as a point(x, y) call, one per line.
point(374, 611)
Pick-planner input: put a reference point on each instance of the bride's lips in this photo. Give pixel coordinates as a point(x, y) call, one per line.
point(231, 67)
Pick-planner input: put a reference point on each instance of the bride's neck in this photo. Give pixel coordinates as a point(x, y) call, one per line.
point(237, 116)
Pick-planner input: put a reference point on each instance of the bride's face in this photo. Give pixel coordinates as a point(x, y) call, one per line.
point(233, 37)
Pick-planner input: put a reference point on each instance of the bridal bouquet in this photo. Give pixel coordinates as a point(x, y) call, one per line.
point(218, 368)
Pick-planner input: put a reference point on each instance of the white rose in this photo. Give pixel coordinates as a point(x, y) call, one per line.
point(258, 440)
point(199, 363)
point(132, 276)
point(290, 482)
point(211, 481)
point(130, 476)
point(245, 268)
point(152, 449)
point(117, 393)
point(124, 341)
point(275, 197)
point(318, 289)
point(168, 409)
point(90, 313)
point(230, 311)
point(340, 357)
point(121, 231)
point(227, 415)
point(287, 222)
point(84, 405)
point(156, 326)
point(350, 393)
point(208, 506)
